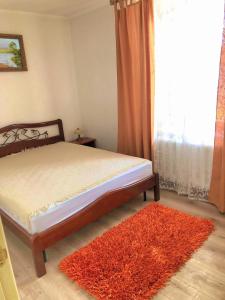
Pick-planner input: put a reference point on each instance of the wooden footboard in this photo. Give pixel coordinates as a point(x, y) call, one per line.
point(40, 241)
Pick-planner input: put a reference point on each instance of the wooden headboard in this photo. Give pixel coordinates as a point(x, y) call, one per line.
point(18, 137)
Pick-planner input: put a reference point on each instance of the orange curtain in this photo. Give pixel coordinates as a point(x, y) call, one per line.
point(135, 73)
point(217, 188)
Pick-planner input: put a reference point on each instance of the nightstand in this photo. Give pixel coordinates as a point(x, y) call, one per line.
point(86, 141)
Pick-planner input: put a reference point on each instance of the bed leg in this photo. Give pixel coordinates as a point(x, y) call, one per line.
point(145, 196)
point(45, 256)
point(38, 259)
point(156, 188)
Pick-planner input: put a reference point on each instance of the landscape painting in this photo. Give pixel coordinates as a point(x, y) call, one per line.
point(12, 55)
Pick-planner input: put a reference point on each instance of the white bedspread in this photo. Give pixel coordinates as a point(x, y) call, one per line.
point(35, 181)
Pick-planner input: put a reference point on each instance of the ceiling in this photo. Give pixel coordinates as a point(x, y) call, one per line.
point(67, 8)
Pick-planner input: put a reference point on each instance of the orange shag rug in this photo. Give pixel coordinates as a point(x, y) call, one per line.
point(134, 259)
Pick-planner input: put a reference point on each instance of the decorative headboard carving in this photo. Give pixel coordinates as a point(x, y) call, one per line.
point(18, 137)
point(21, 134)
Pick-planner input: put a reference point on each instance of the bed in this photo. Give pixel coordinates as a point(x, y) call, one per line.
point(50, 188)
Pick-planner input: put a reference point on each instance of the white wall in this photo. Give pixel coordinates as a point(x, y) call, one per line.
point(95, 60)
point(48, 90)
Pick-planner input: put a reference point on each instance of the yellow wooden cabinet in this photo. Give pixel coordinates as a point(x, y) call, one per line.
point(8, 289)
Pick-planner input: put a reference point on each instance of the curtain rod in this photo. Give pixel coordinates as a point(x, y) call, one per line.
point(113, 2)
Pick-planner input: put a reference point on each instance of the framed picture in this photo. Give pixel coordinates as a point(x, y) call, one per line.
point(12, 54)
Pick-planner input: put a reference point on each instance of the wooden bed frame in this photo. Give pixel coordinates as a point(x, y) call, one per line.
point(18, 137)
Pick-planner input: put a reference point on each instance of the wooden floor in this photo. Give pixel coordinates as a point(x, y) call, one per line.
point(203, 276)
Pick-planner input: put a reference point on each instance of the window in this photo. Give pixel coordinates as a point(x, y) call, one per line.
point(188, 43)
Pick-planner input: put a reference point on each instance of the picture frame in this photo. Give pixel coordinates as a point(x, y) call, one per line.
point(12, 53)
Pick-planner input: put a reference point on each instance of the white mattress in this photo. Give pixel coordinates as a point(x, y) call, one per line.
point(66, 209)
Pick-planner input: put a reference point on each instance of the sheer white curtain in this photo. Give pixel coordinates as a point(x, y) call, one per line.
point(188, 42)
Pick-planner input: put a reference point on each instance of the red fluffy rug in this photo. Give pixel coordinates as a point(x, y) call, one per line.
point(134, 259)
